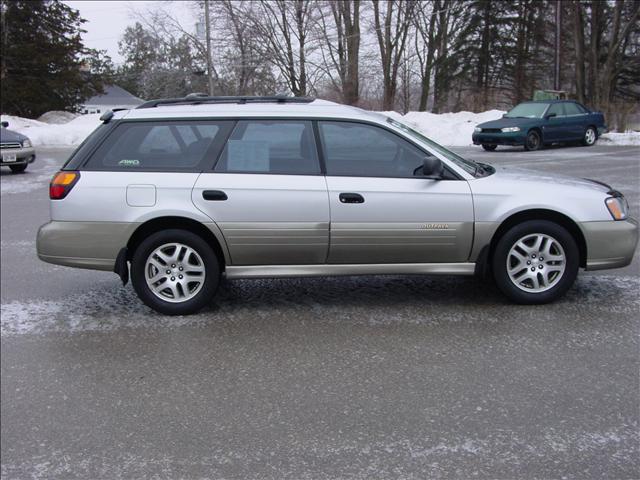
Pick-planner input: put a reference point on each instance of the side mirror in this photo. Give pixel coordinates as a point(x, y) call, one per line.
point(432, 168)
point(5, 124)
point(550, 115)
point(504, 115)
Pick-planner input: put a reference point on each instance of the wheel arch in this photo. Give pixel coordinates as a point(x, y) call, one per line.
point(537, 129)
point(163, 223)
point(540, 214)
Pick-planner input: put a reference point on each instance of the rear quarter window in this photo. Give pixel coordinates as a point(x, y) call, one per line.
point(161, 146)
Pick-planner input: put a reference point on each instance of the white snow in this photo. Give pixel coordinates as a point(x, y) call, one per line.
point(451, 129)
point(57, 116)
point(627, 138)
point(54, 134)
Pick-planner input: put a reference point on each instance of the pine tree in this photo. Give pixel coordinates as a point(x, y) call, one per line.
point(43, 58)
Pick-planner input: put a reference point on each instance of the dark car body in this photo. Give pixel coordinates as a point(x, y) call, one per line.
point(16, 151)
point(544, 122)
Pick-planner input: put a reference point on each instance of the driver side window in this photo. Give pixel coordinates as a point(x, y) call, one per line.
point(556, 108)
point(357, 149)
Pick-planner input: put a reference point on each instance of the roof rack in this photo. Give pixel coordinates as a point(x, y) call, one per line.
point(199, 98)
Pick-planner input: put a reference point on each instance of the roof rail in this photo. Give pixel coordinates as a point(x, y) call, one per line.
point(199, 98)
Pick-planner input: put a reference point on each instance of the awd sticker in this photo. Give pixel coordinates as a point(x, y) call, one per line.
point(129, 163)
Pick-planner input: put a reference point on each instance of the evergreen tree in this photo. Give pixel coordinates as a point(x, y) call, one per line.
point(45, 65)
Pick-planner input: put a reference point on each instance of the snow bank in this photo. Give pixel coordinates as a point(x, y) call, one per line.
point(57, 117)
point(54, 135)
point(452, 129)
point(627, 138)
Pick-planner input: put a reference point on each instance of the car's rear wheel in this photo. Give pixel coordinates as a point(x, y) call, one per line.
point(535, 262)
point(533, 141)
point(18, 168)
point(488, 147)
point(590, 137)
point(175, 272)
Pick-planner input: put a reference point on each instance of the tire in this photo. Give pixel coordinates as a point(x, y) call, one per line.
point(489, 148)
point(590, 137)
point(558, 270)
point(18, 168)
point(533, 141)
point(180, 297)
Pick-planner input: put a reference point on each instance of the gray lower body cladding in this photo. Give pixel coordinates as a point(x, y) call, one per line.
point(95, 245)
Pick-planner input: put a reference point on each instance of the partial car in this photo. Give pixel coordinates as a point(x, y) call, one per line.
point(539, 123)
point(179, 193)
point(16, 150)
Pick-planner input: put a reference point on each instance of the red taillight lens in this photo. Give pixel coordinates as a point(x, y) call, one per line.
point(62, 183)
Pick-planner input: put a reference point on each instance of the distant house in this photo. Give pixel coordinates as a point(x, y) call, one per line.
point(113, 97)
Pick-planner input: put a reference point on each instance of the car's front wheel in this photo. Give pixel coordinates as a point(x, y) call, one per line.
point(535, 262)
point(533, 141)
point(175, 272)
point(590, 136)
point(18, 168)
point(488, 147)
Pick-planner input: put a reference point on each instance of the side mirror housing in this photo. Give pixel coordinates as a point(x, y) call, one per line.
point(432, 168)
point(5, 124)
point(504, 115)
point(550, 115)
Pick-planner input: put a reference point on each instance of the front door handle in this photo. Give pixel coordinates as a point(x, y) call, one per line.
point(214, 195)
point(351, 198)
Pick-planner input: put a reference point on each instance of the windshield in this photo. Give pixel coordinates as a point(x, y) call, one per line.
point(468, 166)
point(527, 110)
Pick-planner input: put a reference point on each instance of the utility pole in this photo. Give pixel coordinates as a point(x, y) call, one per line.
point(208, 40)
point(556, 73)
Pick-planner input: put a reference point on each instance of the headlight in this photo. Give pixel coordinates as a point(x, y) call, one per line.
point(510, 129)
point(618, 207)
point(26, 143)
point(477, 129)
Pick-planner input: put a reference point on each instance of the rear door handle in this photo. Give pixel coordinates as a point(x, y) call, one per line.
point(214, 195)
point(351, 198)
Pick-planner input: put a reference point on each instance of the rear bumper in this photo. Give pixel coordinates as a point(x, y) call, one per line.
point(610, 244)
point(93, 245)
point(499, 138)
point(23, 155)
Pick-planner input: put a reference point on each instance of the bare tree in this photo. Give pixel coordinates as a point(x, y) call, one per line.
point(425, 46)
point(392, 24)
point(339, 28)
point(283, 28)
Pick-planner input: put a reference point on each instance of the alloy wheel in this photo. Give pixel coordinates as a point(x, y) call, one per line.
point(536, 263)
point(174, 272)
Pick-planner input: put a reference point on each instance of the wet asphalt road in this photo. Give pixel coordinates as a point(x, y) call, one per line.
point(372, 377)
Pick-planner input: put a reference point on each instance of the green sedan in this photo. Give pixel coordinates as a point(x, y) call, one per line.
point(537, 123)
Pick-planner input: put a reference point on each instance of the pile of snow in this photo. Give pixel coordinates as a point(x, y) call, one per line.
point(627, 138)
point(57, 117)
point(54, 135)
point(451, 129)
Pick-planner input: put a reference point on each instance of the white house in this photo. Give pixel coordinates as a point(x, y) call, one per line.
point(113, 97)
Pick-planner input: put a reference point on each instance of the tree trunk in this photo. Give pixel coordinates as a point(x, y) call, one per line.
point(579, 46)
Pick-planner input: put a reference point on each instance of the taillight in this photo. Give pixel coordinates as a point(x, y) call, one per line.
point(62, 183)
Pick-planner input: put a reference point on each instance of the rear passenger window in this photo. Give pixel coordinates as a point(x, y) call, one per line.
point(270, 146)
point(157, 146)
point(572, 109)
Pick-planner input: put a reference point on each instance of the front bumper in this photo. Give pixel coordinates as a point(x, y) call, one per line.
point(23, 155)
point(610, 244)
point(499, 138)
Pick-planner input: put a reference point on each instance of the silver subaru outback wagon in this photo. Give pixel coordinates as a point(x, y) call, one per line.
point(179, 192)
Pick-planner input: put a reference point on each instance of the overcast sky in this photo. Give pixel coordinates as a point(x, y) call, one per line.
point(107, 19)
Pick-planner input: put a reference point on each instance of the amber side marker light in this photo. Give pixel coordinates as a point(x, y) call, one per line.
point(62, 183)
